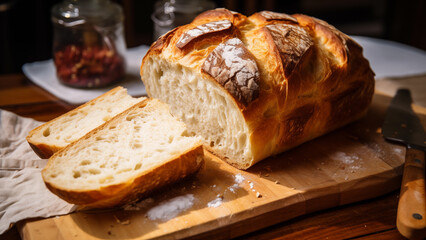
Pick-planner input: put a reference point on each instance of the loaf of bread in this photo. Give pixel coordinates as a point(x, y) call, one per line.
point(54, 135)
point(257, 86)
point(134, 153)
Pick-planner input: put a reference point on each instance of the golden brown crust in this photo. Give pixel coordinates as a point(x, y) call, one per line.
point(205, 30)
point(178, 168)
point(220, 13)
point(292, 43)
point(43, 151)
point(312, 77)
point(270, 16)
point(332, 38)
point(239, 75)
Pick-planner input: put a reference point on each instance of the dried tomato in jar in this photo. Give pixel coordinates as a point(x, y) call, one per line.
point(88, 43)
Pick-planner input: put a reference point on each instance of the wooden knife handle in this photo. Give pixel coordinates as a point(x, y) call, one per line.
point(411, 216)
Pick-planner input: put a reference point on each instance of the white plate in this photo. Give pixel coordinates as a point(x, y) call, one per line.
point(43, 73)
point(392, 59)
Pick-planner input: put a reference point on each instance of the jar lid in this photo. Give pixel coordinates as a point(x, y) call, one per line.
point(76, 12)
point(165, 10)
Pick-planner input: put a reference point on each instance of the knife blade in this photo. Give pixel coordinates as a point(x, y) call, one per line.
point(402, 125)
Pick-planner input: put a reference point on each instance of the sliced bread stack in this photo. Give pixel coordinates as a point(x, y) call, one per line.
point(132, 154)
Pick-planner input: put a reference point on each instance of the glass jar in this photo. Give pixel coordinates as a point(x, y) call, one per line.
point(88, 42)
point(169, 14)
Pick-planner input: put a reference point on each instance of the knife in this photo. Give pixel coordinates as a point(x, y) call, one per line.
point(403, 126)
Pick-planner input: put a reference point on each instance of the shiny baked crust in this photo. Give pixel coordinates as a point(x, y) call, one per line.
point(311, 78)
point(233, 67)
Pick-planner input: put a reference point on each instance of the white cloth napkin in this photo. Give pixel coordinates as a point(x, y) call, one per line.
point(22, 191)
point(43, 73)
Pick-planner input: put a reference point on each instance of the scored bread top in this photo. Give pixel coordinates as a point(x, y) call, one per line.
point(279, 44)
point(233, 67)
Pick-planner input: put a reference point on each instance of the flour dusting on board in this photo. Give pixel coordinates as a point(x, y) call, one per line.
point(238, 179)
point(216, 202)
point(171, 208)
point(351, 162)
point(397, 150)
point(343, 157)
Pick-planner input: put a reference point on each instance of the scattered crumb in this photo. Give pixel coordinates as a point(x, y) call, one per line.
point(277, 182)
point(258, 195)
point(131, 207)
point(251, 184)
point(125, 222)
point(268, 168)
point(138, 205)
point(266, 174)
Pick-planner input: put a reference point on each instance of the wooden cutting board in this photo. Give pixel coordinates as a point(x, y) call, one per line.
point(349, 165)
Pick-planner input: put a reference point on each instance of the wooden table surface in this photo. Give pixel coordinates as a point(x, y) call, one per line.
point(371, 219)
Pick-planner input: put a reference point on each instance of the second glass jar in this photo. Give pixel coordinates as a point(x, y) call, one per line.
point(88, 43)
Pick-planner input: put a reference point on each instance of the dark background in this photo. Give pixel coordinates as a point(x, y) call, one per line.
point(26, 31)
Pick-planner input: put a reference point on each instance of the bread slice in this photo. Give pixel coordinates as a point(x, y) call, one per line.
point(54, 135)
point(136, 152)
